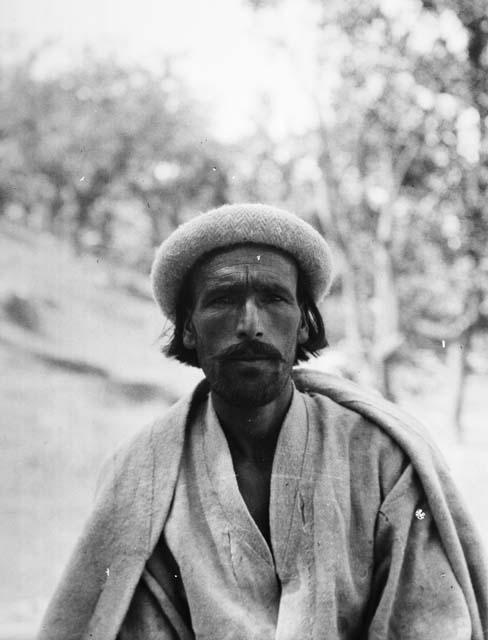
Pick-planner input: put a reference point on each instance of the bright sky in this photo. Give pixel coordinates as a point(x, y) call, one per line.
point(226, 57)
point(227, 53)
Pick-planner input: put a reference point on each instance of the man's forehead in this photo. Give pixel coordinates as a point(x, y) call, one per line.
point(258, 258)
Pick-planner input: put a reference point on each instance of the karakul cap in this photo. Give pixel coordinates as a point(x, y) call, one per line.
point(238, 224)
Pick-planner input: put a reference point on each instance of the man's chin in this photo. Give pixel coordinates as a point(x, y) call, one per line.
point(247, 397)
point(250, 387)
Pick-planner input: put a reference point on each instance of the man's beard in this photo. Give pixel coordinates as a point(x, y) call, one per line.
point(248, 383)
point(249, 391)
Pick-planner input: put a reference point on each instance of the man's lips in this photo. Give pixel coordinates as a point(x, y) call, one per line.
point(251, 358)
point(251, 352)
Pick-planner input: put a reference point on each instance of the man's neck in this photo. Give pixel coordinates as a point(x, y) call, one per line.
point(252, 432)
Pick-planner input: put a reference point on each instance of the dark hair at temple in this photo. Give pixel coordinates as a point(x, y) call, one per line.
point(317, 340)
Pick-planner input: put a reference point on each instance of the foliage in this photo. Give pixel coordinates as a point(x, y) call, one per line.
point(401, 146)
point(104, 153)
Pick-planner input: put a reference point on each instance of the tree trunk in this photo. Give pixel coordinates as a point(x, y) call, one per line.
point(80, 224)
point(106, 232)
point(4, 201)
point(387, 338)
point(351, 309)
point(155, 218)
point(456, 361)
point(351, 306)
point(54, 222)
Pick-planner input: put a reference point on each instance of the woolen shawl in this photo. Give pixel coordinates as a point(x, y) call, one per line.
point(133, 503)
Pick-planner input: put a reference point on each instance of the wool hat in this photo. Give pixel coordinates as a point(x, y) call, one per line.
point(238, 224)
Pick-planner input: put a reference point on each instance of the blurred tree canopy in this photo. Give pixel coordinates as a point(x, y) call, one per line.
point(104, 152)
point(398, 173)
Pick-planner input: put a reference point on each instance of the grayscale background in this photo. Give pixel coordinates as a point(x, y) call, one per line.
point(121, 119)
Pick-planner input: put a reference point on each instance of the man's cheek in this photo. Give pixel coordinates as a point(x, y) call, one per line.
point(223, 328)
point(287, 327)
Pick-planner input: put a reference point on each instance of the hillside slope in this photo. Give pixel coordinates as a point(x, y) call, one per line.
point(80, 372)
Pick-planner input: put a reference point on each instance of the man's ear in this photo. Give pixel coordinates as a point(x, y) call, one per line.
point(189, 336)
point(303, 331)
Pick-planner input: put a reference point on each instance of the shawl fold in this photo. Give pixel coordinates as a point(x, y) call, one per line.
point(137, 488)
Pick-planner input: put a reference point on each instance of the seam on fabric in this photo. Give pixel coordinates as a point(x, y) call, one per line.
point(297, 493)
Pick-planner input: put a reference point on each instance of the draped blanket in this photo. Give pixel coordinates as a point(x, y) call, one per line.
point(137, 489)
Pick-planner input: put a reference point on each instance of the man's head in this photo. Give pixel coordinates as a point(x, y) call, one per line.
point(243, 319)
point(245, 310)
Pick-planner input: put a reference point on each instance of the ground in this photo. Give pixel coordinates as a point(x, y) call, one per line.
point(81, 372)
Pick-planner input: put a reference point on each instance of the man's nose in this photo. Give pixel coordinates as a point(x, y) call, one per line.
point(249, 324)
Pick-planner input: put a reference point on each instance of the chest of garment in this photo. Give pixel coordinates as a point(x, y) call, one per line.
point(315, 580)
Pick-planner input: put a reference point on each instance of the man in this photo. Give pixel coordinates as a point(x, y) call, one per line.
point(271, 503)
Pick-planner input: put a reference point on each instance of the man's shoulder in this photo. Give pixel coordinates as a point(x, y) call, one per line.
point(347, 399)
point(157, 443)
point(356, 449)
point(163, 429)
point(344, 424)
point(359, 421)
point(167, 429)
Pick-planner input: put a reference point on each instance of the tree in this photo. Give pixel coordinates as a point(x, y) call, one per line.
point(390, 159)
point(94, 141)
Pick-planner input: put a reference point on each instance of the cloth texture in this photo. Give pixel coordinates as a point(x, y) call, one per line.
point(348, 557)
point(137, 495)
point(236, 224)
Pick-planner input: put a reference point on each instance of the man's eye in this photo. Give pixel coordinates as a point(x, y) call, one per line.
point(273, 297)
point(227, 299)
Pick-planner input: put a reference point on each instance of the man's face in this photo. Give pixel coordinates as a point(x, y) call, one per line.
point(246, 323)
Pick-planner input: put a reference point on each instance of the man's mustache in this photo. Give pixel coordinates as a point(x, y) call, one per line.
point(251, 349)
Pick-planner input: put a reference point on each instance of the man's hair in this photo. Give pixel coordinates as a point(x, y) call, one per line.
point(317, 340)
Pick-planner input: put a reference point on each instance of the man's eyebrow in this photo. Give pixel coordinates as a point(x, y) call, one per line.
point(273, 287)
point(223, 286)
point(213, 286)
point(217, 285)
